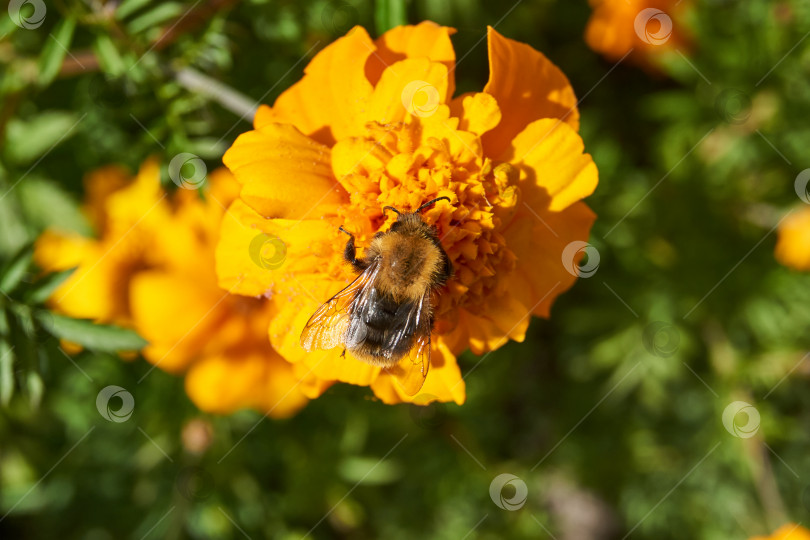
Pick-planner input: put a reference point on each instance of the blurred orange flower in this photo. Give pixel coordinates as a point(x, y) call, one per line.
point(152, 268)
point(373, 123)
point(645, 27)
point(790, 531)
point(793, 241)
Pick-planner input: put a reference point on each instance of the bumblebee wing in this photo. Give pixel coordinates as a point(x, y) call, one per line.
point(328, 326)
point(411, 371)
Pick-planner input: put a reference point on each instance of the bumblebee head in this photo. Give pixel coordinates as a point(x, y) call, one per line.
point(412, 221)
point(402, 216)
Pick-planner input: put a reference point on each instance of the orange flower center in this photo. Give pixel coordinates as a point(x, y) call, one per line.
point(403, 168)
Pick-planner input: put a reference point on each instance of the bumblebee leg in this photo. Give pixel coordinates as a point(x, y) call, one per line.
point(343, 354)
point(350, 253)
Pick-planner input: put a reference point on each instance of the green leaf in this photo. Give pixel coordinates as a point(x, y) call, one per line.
point(35, 388)
point(389, 13)
point(111, 62)
point(369, 470)
point(24, 339)
point(128, 7)
point(45, 287)
point(32, 137)
point(13, 231)
point(99, 337)
point(55, 50)
point(45, 204)
point(14, 270)
point(7, 26)
point(159, 14)
point(207, 147)
point(6, 372)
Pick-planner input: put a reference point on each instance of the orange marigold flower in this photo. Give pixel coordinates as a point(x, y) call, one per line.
point(374, 124)
point(789, 531)
point(151, 268)
point(645, 27)
point(793, 243)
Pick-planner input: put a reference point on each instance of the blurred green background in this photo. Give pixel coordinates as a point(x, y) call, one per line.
point(610, 412)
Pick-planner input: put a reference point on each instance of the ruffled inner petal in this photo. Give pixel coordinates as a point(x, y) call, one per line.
point(528, 87)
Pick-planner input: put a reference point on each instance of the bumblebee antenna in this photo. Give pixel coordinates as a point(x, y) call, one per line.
point(437, 199)
point(390, 208)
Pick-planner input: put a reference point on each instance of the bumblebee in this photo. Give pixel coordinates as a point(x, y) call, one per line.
point(384, 316)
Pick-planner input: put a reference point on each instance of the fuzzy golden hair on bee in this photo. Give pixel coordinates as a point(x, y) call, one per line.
point(384, 316)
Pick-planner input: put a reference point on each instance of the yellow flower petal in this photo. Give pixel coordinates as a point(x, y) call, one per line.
point(549, 156)
point(175, 315)
point(283, 172)
point(414, 86)
point(55, 251)
point(544, 269)
point(424, 40)
point(527, 86)
point(132, 215)
point(793, 242)
point(441, 132)
point(297, 304)
point(356, 155)
point(443, 382)
point(610, 29)
point(477, 112)
point(223, 189)
point(789, 531)
point(309, 384)
point(509, 313)
point(97, 289)
point(613, 32)
point(255, 253)
point(483, 335)
point(98, 186)
point(139, 210)
point(228, 382)
point(153, 269)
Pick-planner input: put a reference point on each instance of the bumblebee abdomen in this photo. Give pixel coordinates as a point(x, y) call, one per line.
point(381, 330)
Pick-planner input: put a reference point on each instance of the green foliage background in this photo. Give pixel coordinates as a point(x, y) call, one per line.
point(611, 420)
